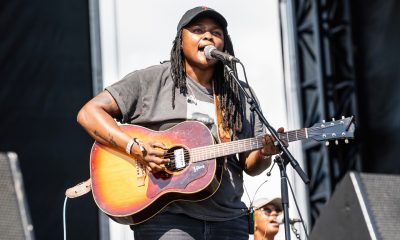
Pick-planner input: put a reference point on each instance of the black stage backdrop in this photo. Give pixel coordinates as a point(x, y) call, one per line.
point(45, 76)
point(376, 26)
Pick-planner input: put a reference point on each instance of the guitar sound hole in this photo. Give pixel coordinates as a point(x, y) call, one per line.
point(179, 159)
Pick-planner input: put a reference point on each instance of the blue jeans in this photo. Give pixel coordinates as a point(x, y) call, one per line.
point(167, 226)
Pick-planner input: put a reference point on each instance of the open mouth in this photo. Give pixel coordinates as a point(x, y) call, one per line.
point(202, 47)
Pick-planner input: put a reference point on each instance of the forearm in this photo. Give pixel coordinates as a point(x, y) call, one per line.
point(97, 118)
point(256, 163)
point(102, 127)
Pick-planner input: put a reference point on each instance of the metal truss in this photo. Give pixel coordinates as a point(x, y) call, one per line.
point(326, 76)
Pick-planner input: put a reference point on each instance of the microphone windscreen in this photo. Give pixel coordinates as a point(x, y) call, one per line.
point(207, 51)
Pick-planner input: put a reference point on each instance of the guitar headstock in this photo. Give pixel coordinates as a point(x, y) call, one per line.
point(337, 129)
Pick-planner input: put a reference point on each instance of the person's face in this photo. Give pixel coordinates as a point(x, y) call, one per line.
point(204, 31)
point(266, 220)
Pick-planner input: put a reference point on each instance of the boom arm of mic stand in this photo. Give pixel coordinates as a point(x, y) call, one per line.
point(255, 107)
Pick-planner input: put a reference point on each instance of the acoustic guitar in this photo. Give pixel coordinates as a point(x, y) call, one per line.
point(129, 194)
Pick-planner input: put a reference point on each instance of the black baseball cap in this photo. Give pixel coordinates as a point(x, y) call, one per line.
point(198, 12)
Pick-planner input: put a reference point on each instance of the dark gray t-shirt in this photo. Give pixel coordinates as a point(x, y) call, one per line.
point(145, 98)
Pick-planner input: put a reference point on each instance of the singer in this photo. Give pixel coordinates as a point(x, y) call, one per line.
point(266, 223)
point(187, 87)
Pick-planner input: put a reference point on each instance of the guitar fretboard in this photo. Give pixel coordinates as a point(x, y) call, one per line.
point(229, 148)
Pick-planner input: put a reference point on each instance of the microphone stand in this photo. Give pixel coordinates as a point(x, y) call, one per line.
point(285, 152)
point(284, 193)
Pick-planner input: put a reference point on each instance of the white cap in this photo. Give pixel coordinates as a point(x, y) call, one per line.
point(277, 202)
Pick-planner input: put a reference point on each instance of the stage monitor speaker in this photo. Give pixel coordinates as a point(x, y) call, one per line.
point(15, 220)
point(363, 206)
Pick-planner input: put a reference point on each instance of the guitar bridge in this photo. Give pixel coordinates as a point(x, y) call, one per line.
point(140, 174)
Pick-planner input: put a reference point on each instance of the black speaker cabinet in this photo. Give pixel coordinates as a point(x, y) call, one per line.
point(363, 206)
point(15, 220)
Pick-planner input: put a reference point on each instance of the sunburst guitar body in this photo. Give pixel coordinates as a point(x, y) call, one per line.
point(129, 194)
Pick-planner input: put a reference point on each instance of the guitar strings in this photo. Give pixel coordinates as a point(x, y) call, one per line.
point(253, 142)
point(233, 145)
point(286, 135)
point(196, 157)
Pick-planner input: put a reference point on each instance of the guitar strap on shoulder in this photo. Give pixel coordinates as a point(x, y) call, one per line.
point(224, 133)
point(79, 189)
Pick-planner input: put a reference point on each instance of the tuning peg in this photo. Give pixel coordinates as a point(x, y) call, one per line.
point(336, 142)
point(346, 141)
point(327, 143)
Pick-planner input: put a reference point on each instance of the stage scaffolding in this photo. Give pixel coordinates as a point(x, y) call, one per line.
point(324, 72)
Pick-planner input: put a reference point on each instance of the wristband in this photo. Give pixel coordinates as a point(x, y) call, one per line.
point(129, 146)
point(140, 144)
point(262, 156)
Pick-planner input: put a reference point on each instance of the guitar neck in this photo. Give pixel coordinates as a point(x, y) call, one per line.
point(244, 145)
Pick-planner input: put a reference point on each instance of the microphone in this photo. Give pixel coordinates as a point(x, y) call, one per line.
point(280, 220)
point(211, 52)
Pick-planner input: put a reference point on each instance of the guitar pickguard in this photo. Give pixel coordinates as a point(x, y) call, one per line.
point(176, 182)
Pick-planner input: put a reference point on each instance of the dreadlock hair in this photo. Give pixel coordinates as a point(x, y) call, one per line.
point(178, 69)
point(224, 84)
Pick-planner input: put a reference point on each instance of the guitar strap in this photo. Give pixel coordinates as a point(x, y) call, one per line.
point(223, 133)
point(79, 189)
